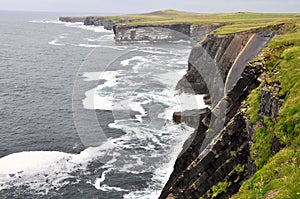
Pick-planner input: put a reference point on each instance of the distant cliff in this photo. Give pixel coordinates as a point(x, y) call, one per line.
point(95, 21)
point(72, 19)
point(150, 32)
point(162, 32)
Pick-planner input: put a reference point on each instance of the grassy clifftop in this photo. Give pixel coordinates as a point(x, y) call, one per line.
point(277, 176)
point(233, 22)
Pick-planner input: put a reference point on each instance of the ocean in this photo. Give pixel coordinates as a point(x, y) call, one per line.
point(83, 116)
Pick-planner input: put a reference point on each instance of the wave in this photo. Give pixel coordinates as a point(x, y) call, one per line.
point(45, 170)
point(54, 43)
point(150, 143)
point(100, 46)
point(47, 21)
point(138, 60)
point(74, 25)
point(80, 25)
point(89, 45)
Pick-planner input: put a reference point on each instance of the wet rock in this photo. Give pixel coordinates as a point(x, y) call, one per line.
point(190, 117)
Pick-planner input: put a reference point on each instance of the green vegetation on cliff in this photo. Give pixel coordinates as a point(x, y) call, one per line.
point(277, 176)
point(233, 22)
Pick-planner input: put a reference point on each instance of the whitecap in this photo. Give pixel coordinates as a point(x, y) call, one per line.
point(89, 45)
point(80, 25)
point(54, 43)
point(47, 21)
point(139, 59)
point(44, 170)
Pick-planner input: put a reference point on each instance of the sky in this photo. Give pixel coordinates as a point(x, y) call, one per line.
point(142, 6)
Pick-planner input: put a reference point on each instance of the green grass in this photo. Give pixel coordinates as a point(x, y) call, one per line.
point(253, 105)
point(219, 188)
point(233, 22)
point(277, 176)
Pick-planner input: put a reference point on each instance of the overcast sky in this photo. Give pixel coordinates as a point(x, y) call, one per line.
point(139, 6)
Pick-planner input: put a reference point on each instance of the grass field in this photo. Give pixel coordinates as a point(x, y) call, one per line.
point(233, 22)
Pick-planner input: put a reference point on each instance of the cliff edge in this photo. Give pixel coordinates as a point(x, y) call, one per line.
point(235, 139)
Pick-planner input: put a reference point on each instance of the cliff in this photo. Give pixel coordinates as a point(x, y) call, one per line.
point(162, 32)
point(72, 19)
point(246, 145)
point(149, 32)
point(224, 150)
point(91, 21)
point(224, 144)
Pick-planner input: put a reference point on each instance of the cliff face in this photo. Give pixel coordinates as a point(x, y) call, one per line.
point(99, 21)
point(72, 19)
point(216, 159)
point(166, 32)
point(151, 32)
point(89, 21)
point(222, 53)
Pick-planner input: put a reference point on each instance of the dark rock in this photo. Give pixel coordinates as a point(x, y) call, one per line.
point(276, 146)
point(165, 32)
point(190, 117)
point(270, 103)
point(72, 19)
point(207, 99)
point(226, 143)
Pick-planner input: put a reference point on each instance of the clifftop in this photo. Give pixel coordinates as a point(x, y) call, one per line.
point(234, 22)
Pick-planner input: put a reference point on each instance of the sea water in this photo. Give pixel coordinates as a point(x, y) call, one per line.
point(83, 116)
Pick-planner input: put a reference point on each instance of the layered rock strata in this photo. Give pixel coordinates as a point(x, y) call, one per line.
point(166, 32)
point(218, 153)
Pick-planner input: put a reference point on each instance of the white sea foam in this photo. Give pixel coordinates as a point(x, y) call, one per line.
point(47, 21)
point(84, 27)
point(100, 46)
point(181, 41)
point(170, 78)
point(179, 133)
point(108, 37)
point(74, 25)
point(138, 60)
point(44, 170)
point(89, 45)
point(155, 50)
point(144, 148)
point(95, 101)
point(54, 43)
point(189, 102)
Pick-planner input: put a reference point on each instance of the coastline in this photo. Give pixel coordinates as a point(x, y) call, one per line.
point(220, 151)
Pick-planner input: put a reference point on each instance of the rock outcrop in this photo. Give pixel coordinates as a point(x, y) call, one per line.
point(168, 32)
point(151, 32)
point(217, 156)
point(72, 19)
point(99, 21)
point(91, 21)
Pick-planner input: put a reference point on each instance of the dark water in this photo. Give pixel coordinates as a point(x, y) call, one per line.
point(83, 116)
